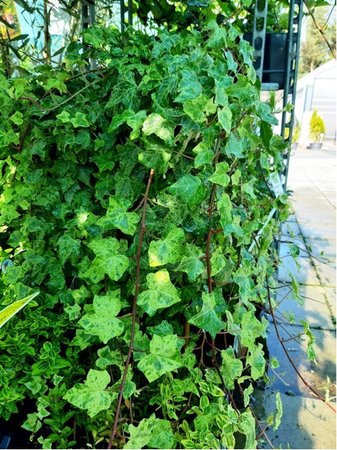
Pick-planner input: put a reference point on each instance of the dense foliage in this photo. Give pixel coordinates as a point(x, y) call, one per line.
point(134, 197)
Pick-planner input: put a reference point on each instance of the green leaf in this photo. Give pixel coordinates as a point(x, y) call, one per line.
point(73, 311)
point(63, 116)
point(57, 81)
point(164, 357)
point(189, 86)
point(68, 247)
point(220, 175)
point(218, 262)
point(255, 359)
point(231, 367)
point(207, 319)
point(247, 425)
point(279, 411)
point(168, 250)
point(264, 111)
point(191, 263)
point(251, 329)
point(17, 118)
point(152, 433)
point(236, 177)
point(136, 122)
point(231, 63)
point(119, 119)
point(204, 155)
point(160, 294)
point(80, 120)
point(225, 118)
point(155, 157)
point(118, 217)
point(246, 395)
point(198, 108)
point(221, 97)
point(156, 124)
point(91, 395)
point(107, 357)
point(249, 188)
point(102, 322)
point(189, 189)
point(224, 206)
point(108, 261)
point(234, 146)
point(10, 310)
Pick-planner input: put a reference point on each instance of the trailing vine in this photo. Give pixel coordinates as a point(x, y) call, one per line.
point(131, 196)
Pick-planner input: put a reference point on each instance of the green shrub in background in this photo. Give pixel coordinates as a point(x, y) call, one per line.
point(131, 198)
point(316, 127)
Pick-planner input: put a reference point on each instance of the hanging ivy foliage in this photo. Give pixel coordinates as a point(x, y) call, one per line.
point(132, 197)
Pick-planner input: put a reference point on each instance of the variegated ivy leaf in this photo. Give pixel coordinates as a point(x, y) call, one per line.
point(108, 260)
point(118, 217)
point(220, 175)
point(156, 124)
point(167, 250)
point(152, 433)
point(207, 318)
point(161, 293)
point(102, 322)
point(257, 362)
point(91, 395)
point(164, 357)
point(191, 262)
point(189, 189)
point(231, 367)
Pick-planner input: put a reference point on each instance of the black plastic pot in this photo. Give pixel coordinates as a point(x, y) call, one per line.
point(315, 145)
point(13, 436)
point(275, 57)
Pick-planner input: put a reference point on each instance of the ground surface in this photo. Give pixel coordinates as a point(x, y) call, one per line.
point(307, 422)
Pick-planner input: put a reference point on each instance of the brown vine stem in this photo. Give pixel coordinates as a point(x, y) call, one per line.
point(320, 30)
point(210, 234)
point(279, 338)
point(134, 311)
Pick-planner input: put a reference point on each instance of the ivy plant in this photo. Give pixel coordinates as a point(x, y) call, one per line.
point(132, 197)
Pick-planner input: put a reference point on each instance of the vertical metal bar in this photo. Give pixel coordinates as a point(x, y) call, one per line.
point(297, 42)
point(259, 35)
point(122, 6)
point(88, 13)
point(130, 11)
point(288, 65)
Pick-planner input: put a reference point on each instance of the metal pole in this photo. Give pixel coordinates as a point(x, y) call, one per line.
point(291, 77)
point(259, 35)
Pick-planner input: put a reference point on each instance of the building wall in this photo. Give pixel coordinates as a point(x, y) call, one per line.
point(318, 90)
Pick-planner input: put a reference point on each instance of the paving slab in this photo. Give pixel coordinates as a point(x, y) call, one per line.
point(330, 296)
point(305, 214)
point(314, 230)
point(302, 269)
point(313, 307)
point(316, 373)
point(327, 246)
point(307, 423)
point(326, 272)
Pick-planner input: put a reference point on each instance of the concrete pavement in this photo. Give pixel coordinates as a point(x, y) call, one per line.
point(307, 422)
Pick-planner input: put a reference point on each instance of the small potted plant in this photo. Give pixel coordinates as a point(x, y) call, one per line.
point(316, 131)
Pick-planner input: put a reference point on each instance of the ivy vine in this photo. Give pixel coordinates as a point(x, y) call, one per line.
point(133, 195)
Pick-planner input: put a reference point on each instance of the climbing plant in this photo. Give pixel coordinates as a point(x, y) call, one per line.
point(135, 199)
